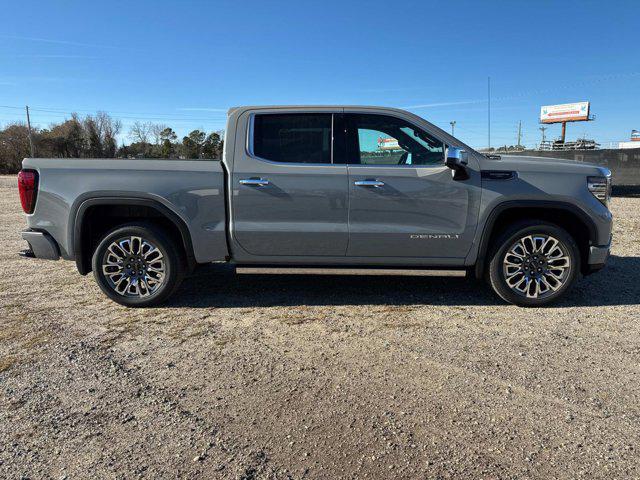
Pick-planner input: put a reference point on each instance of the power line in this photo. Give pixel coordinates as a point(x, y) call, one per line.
point(56, 116)
point(136, 115)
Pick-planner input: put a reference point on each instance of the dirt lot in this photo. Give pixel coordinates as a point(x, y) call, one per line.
point(333, 376)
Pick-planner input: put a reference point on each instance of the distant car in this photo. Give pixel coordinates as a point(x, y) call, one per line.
point(314, 186)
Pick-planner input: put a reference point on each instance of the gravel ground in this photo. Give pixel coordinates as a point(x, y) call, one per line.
point(332, 376)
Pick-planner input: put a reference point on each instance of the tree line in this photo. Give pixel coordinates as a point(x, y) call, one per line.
point(95, 136)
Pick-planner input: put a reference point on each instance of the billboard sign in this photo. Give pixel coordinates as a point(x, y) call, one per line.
point(568, 112)
point(388, 143)
point(635, 135)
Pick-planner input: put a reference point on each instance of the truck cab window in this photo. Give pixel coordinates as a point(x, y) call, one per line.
point(385, 140)
point(293, 137)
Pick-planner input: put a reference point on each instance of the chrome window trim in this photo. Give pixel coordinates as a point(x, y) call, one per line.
point(390, 165)
point(249, 141)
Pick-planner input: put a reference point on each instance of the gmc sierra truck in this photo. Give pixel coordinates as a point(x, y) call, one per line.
point(322, 186)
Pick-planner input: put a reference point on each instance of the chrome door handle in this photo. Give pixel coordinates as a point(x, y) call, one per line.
point(254, 182)
point(369, 183)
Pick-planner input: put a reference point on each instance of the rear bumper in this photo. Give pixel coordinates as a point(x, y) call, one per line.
point(598, 256)
point(41, 245)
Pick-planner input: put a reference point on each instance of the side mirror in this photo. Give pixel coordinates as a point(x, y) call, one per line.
point(456, 160)
point(456, 157)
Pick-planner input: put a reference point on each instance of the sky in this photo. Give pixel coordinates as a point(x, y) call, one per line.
point(185, 63)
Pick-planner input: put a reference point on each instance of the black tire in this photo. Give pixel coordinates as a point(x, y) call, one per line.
point(174, 265)
point(496, 269)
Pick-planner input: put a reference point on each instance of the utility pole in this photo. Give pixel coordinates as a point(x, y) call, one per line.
point(519, 132)
point(489, 110)
point(542, 129)
point(453, 126)
point(30, 136)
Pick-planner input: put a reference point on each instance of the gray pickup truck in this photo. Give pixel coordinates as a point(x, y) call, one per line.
point(322, 186)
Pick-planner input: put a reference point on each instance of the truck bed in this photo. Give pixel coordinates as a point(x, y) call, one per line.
point(191, 189)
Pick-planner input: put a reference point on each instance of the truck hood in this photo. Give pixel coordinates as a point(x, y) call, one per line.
point(543, 164)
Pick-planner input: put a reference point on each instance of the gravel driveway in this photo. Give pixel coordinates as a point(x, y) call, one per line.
point(331, 376)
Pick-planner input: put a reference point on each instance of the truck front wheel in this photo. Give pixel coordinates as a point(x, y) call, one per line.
point(137, 265)
point(533, 263)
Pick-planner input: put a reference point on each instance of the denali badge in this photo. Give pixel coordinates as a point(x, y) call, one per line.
point(437, 236)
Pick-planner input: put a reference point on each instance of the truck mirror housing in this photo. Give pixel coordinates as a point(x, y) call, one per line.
point(456, 159)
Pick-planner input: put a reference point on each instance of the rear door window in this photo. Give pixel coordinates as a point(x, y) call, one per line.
point(293, 137)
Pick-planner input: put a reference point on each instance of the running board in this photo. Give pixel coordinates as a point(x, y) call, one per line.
point(348, 271)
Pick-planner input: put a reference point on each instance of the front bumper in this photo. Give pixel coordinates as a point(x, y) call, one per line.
point(598, 256)
point(41, 245)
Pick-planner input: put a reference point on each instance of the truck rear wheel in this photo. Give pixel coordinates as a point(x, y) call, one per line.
point(137, 265)
point(533, 263)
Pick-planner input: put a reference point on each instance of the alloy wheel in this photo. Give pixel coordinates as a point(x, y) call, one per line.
point(134, 267)
point(536, 266)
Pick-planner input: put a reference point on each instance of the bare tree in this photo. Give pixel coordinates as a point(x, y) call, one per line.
point(93, 137)
point(107, 126)
point(109, 130)
point(156, 132)
point(140, 132)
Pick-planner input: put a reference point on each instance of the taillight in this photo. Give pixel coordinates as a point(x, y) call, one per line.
point(28, 187)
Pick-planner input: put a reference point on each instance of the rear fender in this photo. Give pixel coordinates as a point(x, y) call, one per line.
point(83, 261)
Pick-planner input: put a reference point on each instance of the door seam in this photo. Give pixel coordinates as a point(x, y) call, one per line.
point(348, 209)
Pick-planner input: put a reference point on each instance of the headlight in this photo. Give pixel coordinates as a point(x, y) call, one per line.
point(600, 187)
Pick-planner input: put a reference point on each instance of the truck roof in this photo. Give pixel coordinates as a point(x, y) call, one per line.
point(302, 107)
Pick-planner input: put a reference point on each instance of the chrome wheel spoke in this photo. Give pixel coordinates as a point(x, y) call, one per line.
point(559, 262)
point(548, 285)
point(110, 269)
point(512, 271)
point(533, 288)
point(150, 253)
point(520, 283)
point(122, 285)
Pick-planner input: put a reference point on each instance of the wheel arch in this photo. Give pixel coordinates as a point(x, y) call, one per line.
point(126, 208)
point(566, 215)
